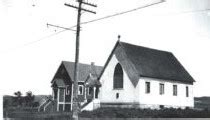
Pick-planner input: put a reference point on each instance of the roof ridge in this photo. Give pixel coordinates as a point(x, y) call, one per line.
point(80, 63)
point(122, 42)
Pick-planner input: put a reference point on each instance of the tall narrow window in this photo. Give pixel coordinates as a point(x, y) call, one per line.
point(174, 90)
point(80, 90)
point(90, 90)
point(161, 89)
point(68, 89)
point(187, 91)
point(118, 77)
point(147, 86)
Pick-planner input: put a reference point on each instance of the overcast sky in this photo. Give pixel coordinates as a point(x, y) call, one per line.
point(31, 52)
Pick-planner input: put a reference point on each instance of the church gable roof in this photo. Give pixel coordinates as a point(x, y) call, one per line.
point(140, 61)
point(155, 63)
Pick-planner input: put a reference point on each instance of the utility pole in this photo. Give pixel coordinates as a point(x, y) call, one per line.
point(75, 105)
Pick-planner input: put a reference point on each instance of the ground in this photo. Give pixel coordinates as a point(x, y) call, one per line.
point(202, 110)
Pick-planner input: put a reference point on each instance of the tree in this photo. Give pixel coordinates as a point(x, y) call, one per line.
point(18, 98)
point(18, 94)
point(29, 98)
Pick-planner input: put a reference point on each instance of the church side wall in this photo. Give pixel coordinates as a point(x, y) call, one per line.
point(154, 99)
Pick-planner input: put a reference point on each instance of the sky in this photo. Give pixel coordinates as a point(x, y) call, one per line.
point(31, 51)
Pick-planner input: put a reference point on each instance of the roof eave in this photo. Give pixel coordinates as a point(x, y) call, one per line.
point(107, 61)
point(172, 80)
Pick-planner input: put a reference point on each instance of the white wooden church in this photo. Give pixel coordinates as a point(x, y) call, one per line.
point(133, 76)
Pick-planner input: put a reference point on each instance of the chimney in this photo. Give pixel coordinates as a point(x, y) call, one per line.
point(92, 68)
point(92, 63)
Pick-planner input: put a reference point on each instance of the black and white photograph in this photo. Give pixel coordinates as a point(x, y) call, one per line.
point(104, 59)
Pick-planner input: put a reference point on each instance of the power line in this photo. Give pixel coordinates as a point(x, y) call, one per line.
point(33, 42)
point(48, 36)
point(106, 17)
point(59, 27)
point(94, 20)
point(121, 13)
point(109, 16)
point(132, 10)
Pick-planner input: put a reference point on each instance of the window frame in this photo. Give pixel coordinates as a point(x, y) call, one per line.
point(187, 91)
point(118, 83)
point(175, 90)
point(79, 89)
point(161, 88)
point(67, 90)
point(147, 87)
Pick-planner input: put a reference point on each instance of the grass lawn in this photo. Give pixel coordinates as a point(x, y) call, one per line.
point(33, 114)
point(110, 113)
point(145, 113)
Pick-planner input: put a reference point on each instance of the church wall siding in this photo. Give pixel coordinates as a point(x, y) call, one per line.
point(167, 99)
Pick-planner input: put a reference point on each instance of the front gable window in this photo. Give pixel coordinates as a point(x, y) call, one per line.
point(118, 77)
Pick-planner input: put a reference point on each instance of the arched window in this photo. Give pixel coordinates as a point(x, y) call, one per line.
point(118, 77)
